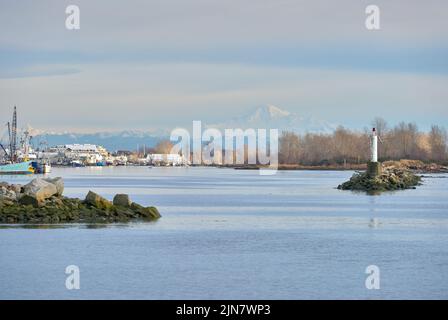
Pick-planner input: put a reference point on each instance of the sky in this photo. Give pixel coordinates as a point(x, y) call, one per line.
point(145, 64)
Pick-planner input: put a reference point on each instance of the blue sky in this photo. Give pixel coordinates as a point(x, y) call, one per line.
point(145, 64)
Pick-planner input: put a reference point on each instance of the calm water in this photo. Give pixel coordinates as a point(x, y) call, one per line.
point(229, 234)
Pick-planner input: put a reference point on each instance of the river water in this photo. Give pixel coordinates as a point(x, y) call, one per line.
point(233, 234)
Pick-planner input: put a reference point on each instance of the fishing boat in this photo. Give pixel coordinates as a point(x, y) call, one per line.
point(41, 167)
point(101, 164)
point(45, 168)
point(13, 163)
point(17, 168)
point(77, 164)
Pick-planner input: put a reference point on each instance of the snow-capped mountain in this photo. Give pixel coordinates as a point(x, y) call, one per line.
point(272, 117)
point(266, 117)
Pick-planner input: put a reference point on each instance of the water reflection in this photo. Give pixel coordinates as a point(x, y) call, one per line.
point(374, 220)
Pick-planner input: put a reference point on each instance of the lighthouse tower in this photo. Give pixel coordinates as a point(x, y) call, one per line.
point(374, 146)
point(374, 167)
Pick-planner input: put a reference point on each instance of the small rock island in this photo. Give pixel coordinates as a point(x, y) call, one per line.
point(389, 179)
point(41, 201)
point(378, 178)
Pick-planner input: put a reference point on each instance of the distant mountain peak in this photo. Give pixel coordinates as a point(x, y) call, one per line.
point(262, 117)
point(269, 112)
point(273, 117)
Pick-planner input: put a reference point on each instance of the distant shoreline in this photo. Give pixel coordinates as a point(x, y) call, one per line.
point(415, 166)
point(304, 168)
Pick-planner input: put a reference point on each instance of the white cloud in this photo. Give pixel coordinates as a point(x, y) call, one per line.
point(75, 91)
point(142, 96)
point(183, 24)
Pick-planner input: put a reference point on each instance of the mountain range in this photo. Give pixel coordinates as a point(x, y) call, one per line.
point(272, 117)
point(267, 117)
point(112, 141)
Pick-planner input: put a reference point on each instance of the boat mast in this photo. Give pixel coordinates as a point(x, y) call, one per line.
point(10, 140)
point(4, 150)
point(14, 136)
point(26, 144)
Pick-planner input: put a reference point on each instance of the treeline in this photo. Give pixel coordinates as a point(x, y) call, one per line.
point(404, 141)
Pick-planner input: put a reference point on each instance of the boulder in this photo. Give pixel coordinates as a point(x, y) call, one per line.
point(4, 201)
point(11, 195)
point(40, 189)
point(4, 184)
point(122, 200)
point(8, 192)
point(17, 188)
point(59, 183)
point(153, 212)
point(149, 212)
point(29, 200)
point(97, 201)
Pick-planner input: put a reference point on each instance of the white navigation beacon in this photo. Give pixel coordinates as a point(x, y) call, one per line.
point(374, 146)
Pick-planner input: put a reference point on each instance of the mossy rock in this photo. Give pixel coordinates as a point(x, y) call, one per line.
point(56, 209)
point(146, 212)
point(389, 180)
point(97, 201)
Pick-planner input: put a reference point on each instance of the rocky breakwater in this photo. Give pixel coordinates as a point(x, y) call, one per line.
point(390, 179)
point(41, 201)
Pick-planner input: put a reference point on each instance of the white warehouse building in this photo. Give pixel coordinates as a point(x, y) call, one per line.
point(173, 159)
point(89, 153)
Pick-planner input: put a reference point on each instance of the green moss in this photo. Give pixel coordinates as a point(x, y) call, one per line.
point(68, 210)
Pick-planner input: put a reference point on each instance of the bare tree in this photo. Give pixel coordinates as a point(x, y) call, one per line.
point(381, 126)
point(438, 143)
point(163, 147)
point(403, 141)
point(289, 148)
point(383, 131)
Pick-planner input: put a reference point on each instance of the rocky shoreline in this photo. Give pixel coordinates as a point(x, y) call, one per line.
point(389, 180)
point(41, 201)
